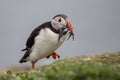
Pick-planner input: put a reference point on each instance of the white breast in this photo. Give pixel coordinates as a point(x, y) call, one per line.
point(45, 43)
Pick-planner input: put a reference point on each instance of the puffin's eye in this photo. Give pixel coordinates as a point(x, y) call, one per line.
point(59, 20)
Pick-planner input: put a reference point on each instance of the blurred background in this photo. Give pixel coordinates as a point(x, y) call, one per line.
point(96, 26)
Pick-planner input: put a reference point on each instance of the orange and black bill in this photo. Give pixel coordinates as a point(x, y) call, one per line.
point(70, 29)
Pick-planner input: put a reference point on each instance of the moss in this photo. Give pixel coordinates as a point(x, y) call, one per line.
point(91, 67)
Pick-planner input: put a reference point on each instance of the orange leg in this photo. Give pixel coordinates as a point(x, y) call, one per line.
point(33, 66)
point(54, 55)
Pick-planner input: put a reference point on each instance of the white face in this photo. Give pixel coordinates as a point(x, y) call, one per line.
point(58, 22)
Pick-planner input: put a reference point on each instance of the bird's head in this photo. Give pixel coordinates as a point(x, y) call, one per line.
point(61, 23)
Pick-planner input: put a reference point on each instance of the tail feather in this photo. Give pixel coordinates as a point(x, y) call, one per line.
point(26, 55)
point(22, 61)
point(24, 49)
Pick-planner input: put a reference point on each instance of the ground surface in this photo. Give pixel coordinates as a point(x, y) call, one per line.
point(91, 67)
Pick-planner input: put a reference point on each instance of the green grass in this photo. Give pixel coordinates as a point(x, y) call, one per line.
point(92, 67)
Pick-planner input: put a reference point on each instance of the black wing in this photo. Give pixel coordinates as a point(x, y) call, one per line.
point(30, 40)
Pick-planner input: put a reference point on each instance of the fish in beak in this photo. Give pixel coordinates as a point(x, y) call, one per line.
point(70, 29)
point(63, 30)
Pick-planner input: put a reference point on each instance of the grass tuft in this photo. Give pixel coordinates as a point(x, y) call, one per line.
point(91, 67)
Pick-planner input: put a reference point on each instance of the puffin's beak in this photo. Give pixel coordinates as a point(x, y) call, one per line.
point(70, 29)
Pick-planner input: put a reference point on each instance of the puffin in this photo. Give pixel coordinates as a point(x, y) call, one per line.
point(46, 38)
